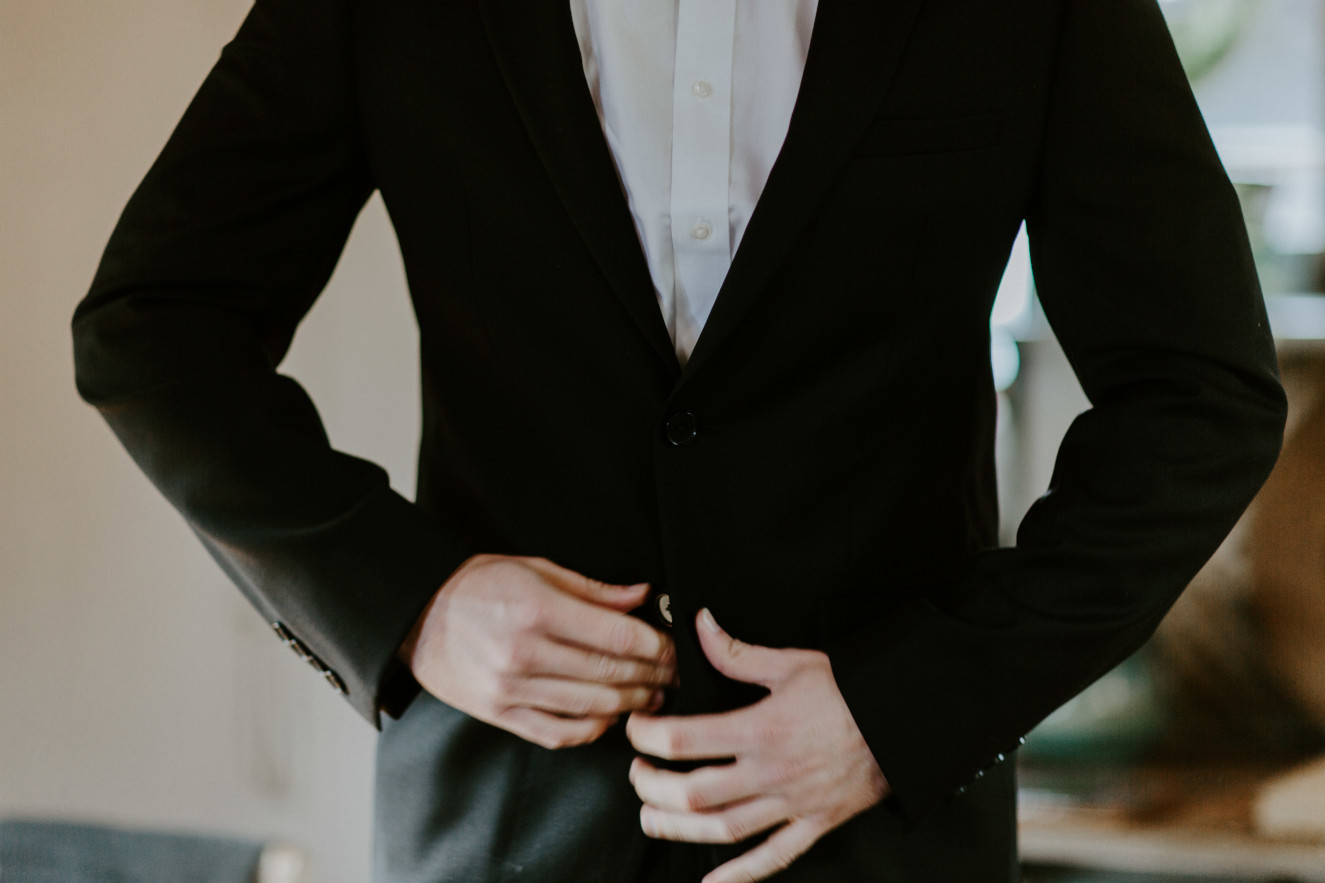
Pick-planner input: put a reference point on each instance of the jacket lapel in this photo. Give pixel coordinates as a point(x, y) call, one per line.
point(539, 57)
point(853, 52)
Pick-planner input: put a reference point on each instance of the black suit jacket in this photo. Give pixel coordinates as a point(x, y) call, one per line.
point(837, 491)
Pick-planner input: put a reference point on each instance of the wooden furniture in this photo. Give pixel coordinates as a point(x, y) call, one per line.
point(1190, 822)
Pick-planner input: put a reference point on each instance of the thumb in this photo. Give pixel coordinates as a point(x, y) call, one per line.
point(622, 598)
point(737, 660)
point(616, 597)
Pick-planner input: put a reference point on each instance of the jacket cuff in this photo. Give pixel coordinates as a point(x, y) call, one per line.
point(917, 704)
point(375, 573)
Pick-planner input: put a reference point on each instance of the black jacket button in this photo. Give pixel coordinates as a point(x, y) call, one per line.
point(682, 428)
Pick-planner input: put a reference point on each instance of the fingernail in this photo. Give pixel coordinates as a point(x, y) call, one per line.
point(656, 700)
point(706, 617)
point(634, 588)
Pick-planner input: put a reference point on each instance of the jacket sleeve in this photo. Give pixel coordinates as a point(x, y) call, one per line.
point(220, 252)
point(1143, 267)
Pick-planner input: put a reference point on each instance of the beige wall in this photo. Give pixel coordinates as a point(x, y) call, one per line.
point(136, 686)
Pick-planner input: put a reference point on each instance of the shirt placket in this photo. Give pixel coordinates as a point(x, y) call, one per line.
point(701, 159)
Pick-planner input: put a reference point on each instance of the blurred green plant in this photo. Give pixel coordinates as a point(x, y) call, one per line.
point(1205, 30)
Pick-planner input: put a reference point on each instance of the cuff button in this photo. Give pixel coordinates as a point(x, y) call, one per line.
point(334, 680)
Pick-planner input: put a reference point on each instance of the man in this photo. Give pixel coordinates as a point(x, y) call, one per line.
point(779, 429)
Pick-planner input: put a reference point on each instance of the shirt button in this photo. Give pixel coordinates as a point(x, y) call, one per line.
point(665, 607)
point(702, 88)
point(682, 428)
point(702, 230)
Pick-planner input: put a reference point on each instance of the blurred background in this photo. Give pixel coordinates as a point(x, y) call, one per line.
point(138, 692)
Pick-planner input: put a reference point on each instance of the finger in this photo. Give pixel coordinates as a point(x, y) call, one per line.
point(622, 598)
point(570, 620)
point(696, 736)
point(553, 659)
point(730, 825)
point(706, 788)
point(577, 699)
point(738, 660)
point(549, 730)
point(770, 857)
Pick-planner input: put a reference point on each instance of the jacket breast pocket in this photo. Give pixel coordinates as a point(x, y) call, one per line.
point(886, 137)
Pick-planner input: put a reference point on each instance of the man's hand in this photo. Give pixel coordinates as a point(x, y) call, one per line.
point(801, 763)
point(538, 650)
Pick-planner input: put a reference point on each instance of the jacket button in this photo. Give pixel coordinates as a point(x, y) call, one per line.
point(682, 428)
point(665, 607)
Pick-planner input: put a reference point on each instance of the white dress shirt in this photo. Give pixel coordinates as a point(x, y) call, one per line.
point(694, 97)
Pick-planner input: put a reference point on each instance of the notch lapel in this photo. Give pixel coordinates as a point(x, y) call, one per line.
point(854, 50)
point(539, 57)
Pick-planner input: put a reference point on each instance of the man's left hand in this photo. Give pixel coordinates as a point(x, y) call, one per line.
point(801, 764)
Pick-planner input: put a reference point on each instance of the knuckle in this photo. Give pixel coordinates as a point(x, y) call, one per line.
point(695, 800)
point(616, 701)
point(503, 685)
point(524, 615)
point(520, 656)
point(673, 741)
point(496, 713)
point(584, 704)
point(621, 636)
point(602, 668)
point(734, 830)
point(479, 563)
point(511, 657)
point(782, 858)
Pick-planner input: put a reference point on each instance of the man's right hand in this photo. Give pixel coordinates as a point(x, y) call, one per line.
point(541, 651)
